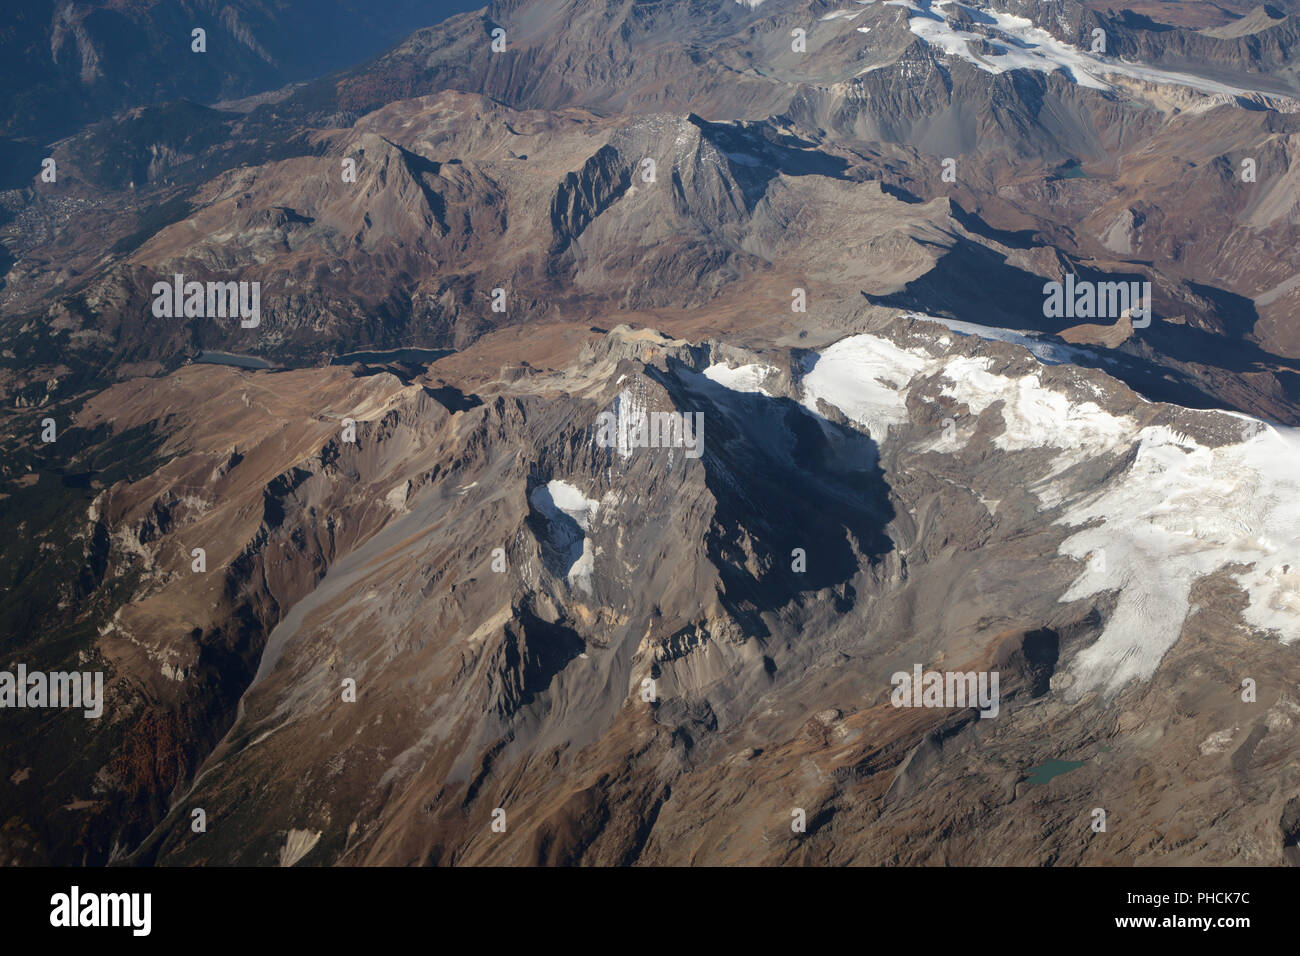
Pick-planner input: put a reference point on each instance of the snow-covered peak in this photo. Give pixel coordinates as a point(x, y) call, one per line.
point(1164, 510)
point(1017, 44)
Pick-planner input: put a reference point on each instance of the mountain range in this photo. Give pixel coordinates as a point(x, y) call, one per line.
point(440, 618)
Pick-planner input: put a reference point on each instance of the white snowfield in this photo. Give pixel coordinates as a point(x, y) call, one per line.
point(1178, 512)
point(1047, 352)
point(565, 497)
point(1019, 45)
point(743, 378)
point(559, 497)
point(865, 377)
point(1036, 416)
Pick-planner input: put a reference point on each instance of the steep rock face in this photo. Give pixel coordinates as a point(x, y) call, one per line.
point(951, 108)
point(568, 53)
point(584, 195)
point(1260, 42)
point(432, 226)
point(1264, 43)
point(180, 631)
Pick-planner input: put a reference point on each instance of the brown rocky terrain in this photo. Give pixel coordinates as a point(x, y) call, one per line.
point(520, 689)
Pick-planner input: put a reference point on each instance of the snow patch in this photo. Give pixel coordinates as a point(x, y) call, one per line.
point(1049, 353)
point(1036, 416)
point(396, 499)
point(1019, 45)
point(572, 502)
point(1179, 511)
point(1182, 511)
point(865, 377)
point(297, 845)
point(564, 506)
point(743, 378)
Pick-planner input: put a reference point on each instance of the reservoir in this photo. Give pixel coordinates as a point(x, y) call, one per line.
point(226, 358)
point(1053, 768)
point(415, 356)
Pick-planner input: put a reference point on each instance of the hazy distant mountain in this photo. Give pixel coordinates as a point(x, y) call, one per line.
point(64, 63)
